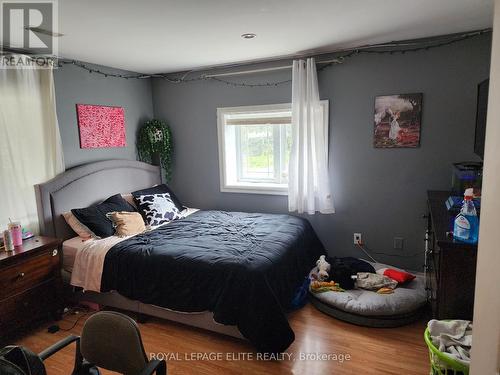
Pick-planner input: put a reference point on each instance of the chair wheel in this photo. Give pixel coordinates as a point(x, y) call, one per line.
point(87, 369)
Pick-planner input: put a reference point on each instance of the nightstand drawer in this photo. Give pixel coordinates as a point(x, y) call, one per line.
point(28, 273)
point(35, 303)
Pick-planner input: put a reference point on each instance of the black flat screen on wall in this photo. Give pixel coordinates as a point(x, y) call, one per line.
point(482, 109)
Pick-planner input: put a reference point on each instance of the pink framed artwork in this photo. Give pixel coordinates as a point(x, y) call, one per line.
point(101, 126)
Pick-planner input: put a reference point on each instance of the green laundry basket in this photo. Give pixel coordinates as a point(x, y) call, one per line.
point(442, 364)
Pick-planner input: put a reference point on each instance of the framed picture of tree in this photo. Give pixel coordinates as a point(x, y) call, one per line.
point(397, 121)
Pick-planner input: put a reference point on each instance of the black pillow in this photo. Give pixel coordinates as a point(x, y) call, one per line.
point(158, 189)
point(94, 217)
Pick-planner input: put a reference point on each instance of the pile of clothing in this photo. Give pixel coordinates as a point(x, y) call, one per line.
point(452, 337)
point(339, 274)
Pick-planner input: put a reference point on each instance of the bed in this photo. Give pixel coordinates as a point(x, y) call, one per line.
point(229, 272)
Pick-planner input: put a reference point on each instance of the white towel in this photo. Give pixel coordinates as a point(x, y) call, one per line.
point(374, 281)
point(453, 337)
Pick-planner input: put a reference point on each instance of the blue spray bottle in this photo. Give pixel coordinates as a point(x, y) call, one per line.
point(466, 227)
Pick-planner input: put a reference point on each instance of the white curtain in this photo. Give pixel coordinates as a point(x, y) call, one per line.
point(308, 185)
point(30, 144)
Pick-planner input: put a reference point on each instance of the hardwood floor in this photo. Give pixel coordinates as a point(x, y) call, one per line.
point(371, 350)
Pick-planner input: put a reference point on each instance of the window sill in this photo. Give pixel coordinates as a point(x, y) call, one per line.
point(256, 188)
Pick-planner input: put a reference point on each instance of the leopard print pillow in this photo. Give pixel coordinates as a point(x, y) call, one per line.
point(158, 208)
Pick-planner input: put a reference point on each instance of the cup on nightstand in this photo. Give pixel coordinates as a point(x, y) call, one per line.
point(8, 243)
point(16, 232)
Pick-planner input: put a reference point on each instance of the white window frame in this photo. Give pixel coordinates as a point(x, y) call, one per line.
point(249, 186)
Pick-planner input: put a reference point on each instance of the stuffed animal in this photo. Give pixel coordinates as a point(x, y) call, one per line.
point(323, 268)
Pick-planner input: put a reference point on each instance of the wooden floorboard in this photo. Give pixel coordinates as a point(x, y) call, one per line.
point(372, 351)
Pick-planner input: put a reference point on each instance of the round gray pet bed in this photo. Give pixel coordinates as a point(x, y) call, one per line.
point(367, 308)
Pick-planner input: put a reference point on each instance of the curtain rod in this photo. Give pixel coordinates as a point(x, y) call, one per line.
point(262, 70)
point(417, 43)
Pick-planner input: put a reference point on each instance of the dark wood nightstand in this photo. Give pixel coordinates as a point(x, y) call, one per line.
point(451, 265)
point(30, 284)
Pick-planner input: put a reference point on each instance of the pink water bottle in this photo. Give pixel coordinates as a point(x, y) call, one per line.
point(17, 233)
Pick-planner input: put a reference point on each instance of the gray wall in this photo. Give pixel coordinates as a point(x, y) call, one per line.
point(77, 86)
point(379, 192)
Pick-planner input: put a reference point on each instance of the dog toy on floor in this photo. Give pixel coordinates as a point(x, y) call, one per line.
point(323, 268)
point(325, 286)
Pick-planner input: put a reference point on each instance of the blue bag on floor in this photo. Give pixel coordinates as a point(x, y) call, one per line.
point(300, 297)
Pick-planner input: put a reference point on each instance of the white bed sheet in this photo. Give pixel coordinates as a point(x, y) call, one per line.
point(70, 248)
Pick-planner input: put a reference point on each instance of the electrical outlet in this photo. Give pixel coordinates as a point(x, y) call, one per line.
point(398, 243)
point(357, 239)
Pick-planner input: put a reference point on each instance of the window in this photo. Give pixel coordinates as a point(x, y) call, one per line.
point(254, 148)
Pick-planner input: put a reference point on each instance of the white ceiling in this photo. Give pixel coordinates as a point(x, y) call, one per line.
point(154, 36)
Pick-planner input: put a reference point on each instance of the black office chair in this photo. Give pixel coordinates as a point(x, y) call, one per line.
point(109, 340)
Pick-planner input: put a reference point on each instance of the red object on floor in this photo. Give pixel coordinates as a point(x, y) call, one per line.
point(399, 276)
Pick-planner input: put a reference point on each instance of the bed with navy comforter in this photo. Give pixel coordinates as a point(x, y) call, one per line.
point(244, 267)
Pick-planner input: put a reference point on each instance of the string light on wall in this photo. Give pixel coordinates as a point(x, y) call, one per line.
point(340, 57)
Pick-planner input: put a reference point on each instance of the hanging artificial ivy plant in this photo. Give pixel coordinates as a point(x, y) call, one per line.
point(154, 142)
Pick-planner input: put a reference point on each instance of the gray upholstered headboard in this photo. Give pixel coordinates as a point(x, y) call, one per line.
point(86, 185)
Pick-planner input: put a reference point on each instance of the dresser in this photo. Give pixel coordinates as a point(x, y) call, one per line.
point(450, 264)
point(30, 284)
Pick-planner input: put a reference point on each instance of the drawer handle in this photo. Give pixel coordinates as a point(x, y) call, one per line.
point(21, 275)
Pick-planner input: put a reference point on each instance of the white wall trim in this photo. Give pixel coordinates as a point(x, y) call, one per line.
point(485, 357)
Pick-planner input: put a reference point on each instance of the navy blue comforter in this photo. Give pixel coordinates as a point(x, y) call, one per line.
point(244, 267)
